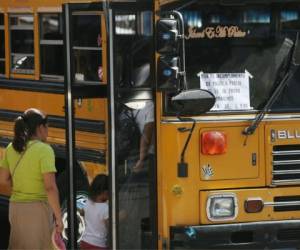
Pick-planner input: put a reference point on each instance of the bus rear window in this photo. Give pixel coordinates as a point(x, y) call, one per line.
point(22, 44)
point(87, 47)
point(51, 46)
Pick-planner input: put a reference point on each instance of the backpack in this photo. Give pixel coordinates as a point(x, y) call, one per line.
point(127, 134)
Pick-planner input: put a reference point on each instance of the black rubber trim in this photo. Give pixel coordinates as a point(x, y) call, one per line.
point(94, 6)
point(4, 142)
point(178, 4)
point(129, 7)
point(59, 122)
point(81, 154)
point(80, 90)
point(60, 152)
point(30, 85)
point(89, 91)
point(134, 94)
point(252, 235)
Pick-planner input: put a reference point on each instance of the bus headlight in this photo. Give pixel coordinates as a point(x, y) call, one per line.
point(221, 207)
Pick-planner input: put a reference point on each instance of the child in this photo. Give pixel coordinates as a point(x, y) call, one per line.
point(96, 215)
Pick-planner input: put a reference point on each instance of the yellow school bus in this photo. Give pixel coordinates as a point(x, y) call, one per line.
point(32, 67)
point(236, 183)
point(190, 107)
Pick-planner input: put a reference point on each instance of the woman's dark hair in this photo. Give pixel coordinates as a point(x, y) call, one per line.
point(98, 186)
point(25, 127)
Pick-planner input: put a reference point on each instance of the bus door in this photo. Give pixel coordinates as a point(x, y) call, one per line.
point(85, 96)
point(133, 164)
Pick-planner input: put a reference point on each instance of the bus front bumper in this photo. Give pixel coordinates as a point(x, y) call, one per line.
point(253, 235)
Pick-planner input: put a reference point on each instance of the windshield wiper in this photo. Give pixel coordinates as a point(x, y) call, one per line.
point(291, 69)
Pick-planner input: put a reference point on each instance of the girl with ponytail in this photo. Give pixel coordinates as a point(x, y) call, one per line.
point(28, 168)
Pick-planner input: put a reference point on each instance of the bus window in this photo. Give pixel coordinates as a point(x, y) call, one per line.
point(21, 42)
point(51, 46)
point(146, 23)
point(125, 24)
point(2, 48)
point(133, 33)
point(257, 16)
point(289, 19)
point(229, 42)
point(87, 47)
point(290, 23)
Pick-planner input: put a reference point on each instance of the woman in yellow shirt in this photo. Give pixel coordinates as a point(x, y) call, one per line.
point(28, 167)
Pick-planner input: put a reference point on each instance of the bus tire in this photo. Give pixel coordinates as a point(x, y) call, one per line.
point(81, 198)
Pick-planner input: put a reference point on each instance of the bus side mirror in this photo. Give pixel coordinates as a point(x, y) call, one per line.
point(168, 64)
point(193, 102)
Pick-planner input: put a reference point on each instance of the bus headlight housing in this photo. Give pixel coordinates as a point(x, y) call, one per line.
point(222, 207)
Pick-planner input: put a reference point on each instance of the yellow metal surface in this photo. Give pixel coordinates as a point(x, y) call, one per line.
point(171, 142)
point(22, 76)
point(84, 140)
point(52, 104)
point(237, 162)
point(266, 194)
point(93, 169)
point(163, 2)
point(232, 172)
point(6, 129)
point(177, 190)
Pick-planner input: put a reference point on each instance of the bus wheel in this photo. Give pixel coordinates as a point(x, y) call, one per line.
point(81, 198)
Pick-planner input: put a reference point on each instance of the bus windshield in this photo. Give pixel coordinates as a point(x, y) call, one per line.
point(240, 53)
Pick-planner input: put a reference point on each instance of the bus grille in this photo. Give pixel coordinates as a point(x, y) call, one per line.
point(286, 165)
point(286, 203)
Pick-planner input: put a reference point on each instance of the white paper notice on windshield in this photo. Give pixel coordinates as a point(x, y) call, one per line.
point(230, 89)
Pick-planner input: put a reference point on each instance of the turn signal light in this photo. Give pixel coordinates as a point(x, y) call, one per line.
point(213, 143)
point(254, 205)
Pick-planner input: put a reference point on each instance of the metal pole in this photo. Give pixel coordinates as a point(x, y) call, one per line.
point(113, 201)
point(72, 241)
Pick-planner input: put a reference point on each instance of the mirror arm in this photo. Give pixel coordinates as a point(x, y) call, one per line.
point(191, 130)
